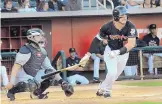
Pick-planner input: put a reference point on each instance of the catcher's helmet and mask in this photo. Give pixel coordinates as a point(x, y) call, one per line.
point(36, 36)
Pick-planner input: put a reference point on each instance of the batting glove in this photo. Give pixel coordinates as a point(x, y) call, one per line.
point(113, 54)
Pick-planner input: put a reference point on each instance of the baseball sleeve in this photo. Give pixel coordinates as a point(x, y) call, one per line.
point(132, 31)
point(21, 58)
point(103, 30)
point(96, 41)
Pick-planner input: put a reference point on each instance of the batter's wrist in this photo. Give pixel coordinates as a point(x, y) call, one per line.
point(88, 54)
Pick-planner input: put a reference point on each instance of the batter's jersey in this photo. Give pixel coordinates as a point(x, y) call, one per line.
point(115, 36)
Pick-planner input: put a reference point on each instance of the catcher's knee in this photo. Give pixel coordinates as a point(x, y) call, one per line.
point(32, 85)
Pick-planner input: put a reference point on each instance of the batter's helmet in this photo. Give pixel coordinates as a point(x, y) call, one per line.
point(119, 11)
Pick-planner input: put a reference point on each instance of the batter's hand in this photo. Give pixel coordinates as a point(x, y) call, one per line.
point(114, 53)
point(85, 59)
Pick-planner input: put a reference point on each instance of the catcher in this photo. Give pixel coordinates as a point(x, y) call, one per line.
point(30, 59)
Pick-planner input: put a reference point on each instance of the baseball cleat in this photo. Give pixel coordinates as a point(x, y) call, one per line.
point(99, 92)
point(96, 80)
point(11, 96)
point(43, 96)
point(40, 96)
point(107, 95)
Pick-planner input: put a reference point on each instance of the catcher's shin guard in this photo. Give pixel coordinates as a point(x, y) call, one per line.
point(38, 93)
point(22, 87)
point(19, 87)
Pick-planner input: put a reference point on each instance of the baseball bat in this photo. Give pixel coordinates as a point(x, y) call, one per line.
point(59, 71)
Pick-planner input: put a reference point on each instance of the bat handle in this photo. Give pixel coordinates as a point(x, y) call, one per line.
point(50, 74)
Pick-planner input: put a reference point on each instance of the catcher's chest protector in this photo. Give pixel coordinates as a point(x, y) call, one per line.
point(35, 62)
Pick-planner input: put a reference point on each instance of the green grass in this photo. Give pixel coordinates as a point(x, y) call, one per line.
point(144, 84)
point(141, 103)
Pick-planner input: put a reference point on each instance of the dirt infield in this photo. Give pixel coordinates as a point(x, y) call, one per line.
point(85, 94)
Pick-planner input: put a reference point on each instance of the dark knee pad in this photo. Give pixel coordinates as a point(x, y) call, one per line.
point(19, 87)
point(44, 85)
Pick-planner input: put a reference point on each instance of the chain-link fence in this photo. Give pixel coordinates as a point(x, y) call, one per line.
point(8, 59)
point(148, 62)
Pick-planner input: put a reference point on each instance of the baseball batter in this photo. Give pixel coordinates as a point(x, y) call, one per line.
point(116, 53)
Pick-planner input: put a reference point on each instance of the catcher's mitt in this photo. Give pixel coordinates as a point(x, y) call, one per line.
point(68, 89)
